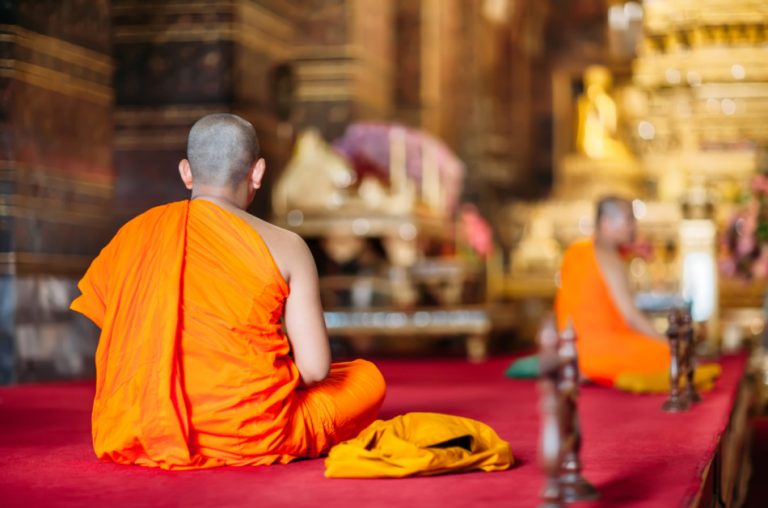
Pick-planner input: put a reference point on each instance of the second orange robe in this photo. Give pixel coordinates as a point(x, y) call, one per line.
point(607, 346)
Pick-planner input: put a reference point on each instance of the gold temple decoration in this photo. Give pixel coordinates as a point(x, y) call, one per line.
point(600, 161)
point(315, 180)
point(703, 65)
point(596, 135)
point(694, 118)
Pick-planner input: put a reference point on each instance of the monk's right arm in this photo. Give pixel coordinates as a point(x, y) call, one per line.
point(614, 272)
point(304, 320)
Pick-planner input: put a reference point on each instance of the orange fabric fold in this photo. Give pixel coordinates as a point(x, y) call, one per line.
point(193, 368)
point(607, 346)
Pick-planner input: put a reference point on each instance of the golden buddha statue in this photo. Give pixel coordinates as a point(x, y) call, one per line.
point(597, 117)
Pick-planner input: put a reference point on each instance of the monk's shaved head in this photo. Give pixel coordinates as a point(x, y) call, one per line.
point(612, 207)
point(222, 148)
point(615, 222)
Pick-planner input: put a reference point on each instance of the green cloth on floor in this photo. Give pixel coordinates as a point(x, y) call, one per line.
point(526, 367)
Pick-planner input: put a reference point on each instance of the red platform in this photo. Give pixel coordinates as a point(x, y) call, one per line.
point(635, 454)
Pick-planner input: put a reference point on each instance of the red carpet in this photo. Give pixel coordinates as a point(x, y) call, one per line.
point(634, 453)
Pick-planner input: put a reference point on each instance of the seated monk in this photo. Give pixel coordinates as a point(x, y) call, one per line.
point(613, 336)
point(193, 368)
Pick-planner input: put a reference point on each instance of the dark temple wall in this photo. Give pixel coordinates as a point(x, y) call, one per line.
point(55, 177)
point(96, 100)
point(176, 62)
point(282, 64)
point(344, 63)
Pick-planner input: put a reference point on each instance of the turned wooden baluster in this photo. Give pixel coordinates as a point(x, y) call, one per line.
point(691, 394)
point(676, 402)
point(683, 326)
point(574, 486)
point(550, 443)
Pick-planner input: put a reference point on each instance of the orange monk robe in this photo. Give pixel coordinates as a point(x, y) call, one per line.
point(607, 346)
point(193, 369)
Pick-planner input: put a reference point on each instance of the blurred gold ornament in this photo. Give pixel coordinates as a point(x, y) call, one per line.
point(596, 134)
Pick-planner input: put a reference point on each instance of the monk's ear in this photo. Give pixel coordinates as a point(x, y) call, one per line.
point(186, 173)
point(257, 173)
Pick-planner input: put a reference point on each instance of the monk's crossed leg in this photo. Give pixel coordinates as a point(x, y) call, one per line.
point(340, 407)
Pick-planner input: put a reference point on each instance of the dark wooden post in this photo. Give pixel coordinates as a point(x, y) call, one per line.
point(675, 403)
point(560, 440)
point(574, 486)
point(550, 440)
point(683, 325)
point(691, 394)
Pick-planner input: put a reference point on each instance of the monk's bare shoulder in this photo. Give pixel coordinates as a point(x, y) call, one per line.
point(287, 248)
point(614, 272)
point(610, 262)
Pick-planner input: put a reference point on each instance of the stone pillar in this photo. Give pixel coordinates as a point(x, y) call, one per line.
point(55, 179)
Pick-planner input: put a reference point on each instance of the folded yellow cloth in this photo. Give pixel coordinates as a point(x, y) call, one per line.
point(419, 444)
point(658, 382)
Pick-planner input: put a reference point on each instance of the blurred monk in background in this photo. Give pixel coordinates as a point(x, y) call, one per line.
point(193, 369)
point(613, 336)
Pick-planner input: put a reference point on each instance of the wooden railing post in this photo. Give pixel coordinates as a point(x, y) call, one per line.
point(560, 445)
point(550, 439)
point(574, 486)
point(676, 402)
point(691, 394)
